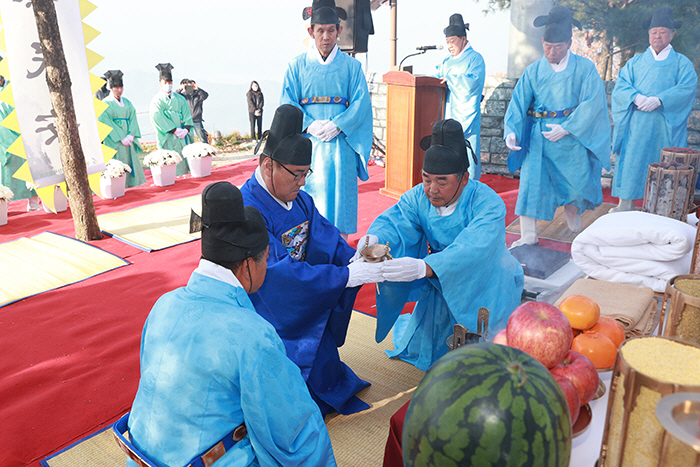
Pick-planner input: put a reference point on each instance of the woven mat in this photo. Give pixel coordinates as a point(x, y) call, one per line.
point(556, 229)
point(358, 439)
point(29, 266)
point(153, 226)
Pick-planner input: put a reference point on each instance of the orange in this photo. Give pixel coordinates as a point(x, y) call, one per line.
point(581, 311)
point(597, 347)
point(611, 328)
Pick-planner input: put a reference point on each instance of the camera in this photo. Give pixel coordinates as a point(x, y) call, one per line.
point(189, 89)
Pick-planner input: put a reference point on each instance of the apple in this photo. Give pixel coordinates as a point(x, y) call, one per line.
point(578, 369)
point(571, 394)
point(541, 330)
point(500, 337)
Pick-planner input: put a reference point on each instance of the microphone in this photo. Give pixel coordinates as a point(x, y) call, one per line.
point(429, 47)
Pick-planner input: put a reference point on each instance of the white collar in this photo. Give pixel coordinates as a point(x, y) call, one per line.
point(120, 102)
point(258, 176)
point(446, 210)
point(331, 56)
point(561, 66)
point(467, 46)
point(663, 55)
point(216, 272)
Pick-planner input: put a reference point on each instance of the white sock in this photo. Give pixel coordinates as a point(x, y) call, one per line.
point(573, 218)
point(528, 232)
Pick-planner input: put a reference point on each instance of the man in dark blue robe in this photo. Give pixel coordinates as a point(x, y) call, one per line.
point(310, 289)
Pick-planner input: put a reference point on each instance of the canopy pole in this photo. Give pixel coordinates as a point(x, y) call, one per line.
point(392, 35)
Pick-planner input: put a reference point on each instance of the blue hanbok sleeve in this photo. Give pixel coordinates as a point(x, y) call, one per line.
point(516, 119)
point(291, 90)
point(622, 103)
point(677, 101)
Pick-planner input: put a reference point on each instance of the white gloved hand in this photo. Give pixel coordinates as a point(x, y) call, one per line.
point(404, 269)
point(556, 133)
point(126, 141)
point(316, 128)
point(362, 272)
point(639, 100)
point(181, 132)
point(650, 105)
point(365, 241)
point(512, 142)
point(131, 138)
point(330, 131)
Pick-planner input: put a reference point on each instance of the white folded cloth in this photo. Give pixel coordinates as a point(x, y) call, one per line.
point(635, 248)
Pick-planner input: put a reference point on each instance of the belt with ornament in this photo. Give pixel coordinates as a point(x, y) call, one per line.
point(550, 113)
point(324, 100)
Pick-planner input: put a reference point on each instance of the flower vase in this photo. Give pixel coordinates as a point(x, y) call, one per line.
point(113, 188)
point(3, 211)
point(60, 201)
point(164, 175)
point(200, 166)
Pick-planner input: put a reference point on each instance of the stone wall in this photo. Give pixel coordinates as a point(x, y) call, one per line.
point(497, 94)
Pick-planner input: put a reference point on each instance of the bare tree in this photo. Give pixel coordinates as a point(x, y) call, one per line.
point(72, 157)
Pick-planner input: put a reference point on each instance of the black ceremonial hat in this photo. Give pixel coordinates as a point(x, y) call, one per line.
point(557, 24)
point(447, 153)
point(114, 77)
point(230, 231)
point(324, 12)
point(662, 18)
point(457, 26)
point(164, 69)
point(288, 121)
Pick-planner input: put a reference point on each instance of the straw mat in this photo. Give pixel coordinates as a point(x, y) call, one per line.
point(556, 229)
point(358, 439)
point(29, 266)
point(153, 226)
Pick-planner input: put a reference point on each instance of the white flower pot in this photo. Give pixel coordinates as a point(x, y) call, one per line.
point(113, 188)
point(164, 175)
point(3, 211)
point(200, 166)
point(59, 200)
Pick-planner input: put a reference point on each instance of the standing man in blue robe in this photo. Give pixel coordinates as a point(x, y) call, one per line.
point(171, 117)
point(310, 289)
point(558, 131)
point(448, 238)
point(213, 371)
point(330, 87)
point(464, 71)
point(651, 103)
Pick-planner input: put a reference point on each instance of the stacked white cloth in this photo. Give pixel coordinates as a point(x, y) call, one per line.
point(635, 248)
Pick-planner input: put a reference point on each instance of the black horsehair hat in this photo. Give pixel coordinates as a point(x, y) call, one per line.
point(447, 151)
point(114, 77)
point(324, 12)
point(662, 18)
point(457, 26)
point(557, 24)
point(284, 141)
point(230, 231)
point(164, 69)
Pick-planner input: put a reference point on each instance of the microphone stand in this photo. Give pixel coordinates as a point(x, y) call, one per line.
point(411, 55)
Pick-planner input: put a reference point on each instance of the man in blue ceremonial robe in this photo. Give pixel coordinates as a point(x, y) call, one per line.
point(651, 102)
point(125, 134)
point(310, 289)
point(213, 372)
point(558, 131)
point(464, 71)
point(448, 240)
point(330, 87)
point(171, 117)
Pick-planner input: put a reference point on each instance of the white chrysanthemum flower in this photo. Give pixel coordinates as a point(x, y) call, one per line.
point(5, 193)
point(198, 149)
point(162, 157)
point(115, 168)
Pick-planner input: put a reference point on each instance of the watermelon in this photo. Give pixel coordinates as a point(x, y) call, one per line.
point(487, 405)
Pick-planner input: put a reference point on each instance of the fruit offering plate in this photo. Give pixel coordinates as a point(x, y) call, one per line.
point(582, 421)
point(679, 414)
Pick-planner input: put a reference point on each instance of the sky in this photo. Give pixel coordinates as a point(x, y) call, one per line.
point(225, 44)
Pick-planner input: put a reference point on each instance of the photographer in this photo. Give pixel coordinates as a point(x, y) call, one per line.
point(195, 98)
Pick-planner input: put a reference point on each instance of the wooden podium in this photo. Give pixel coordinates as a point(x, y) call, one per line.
point(414, 105)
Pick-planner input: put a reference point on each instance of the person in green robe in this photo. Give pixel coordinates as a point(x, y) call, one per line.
point(121, 116)
point(171, 117)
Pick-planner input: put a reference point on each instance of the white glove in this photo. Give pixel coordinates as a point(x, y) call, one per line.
point(365, 241)
point(556, 133)
point(512, 142)
point(126, 141)
point(181, 132)
point(403, 269)
point(330, 131)
point(639, 100)
point(316, 128)
point(650, 105)
point(362, 272)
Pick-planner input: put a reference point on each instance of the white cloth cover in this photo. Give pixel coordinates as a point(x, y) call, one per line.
point(635, 248)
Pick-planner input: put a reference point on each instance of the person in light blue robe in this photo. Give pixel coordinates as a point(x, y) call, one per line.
point(125, 134)
point(341, 128)
point(464, 71)
point(171, 117)
point(210, 363)
point(558, 131)
point(455, 227)
point(651, 103)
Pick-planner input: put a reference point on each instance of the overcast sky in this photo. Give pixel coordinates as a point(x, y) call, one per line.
point(224, 44)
